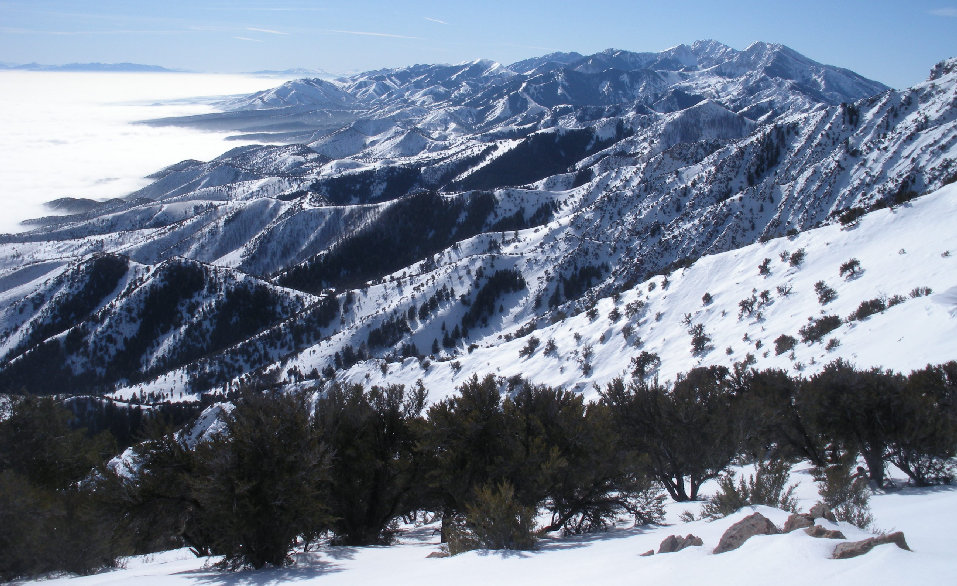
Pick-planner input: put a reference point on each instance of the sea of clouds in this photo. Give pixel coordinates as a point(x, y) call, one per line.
point(73, 134)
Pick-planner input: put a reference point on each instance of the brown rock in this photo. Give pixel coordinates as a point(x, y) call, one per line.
point(438, 554)
point(820, 511)
point(853, 549)
point(737, 534)
point(650, 552)
point(674, 543)
point(818, 531)
point(797, 521)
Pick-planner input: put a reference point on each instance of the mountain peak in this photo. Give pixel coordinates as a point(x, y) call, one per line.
point(945, 67)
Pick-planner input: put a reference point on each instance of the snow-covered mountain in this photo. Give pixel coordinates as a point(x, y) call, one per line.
point(429, 222)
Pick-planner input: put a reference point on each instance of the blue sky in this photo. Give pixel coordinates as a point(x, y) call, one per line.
point(895, 42)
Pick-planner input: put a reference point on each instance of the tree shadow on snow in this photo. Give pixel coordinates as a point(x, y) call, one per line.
point(308, 566)
point(579, 541)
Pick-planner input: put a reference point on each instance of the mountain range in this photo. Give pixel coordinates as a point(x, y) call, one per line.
point(429, 222)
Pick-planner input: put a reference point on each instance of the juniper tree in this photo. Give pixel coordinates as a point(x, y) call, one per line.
point(373, 468)
point(685, 431)
point(260, 483)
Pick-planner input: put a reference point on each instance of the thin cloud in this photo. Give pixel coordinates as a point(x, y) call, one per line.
point(430, 19)
point(248, 39)
point(23, 31)
point(950, 12)
point(265, 30)
point(369, 34)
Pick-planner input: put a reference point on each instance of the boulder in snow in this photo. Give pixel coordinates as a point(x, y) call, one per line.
point(820, 511)
point(737, 534)
point(674, 543)
point(797, 521)
point(853, 549)
point(821, 532)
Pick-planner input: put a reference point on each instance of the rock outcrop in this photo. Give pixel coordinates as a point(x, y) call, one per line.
point(737, 534)
point(674, 543)
point(821, 532)
point(853, 549)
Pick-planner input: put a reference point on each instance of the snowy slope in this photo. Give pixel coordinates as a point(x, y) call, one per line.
point(583, 190)
point(892, 246)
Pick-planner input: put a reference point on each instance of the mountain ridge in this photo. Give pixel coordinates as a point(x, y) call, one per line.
point(502, 212)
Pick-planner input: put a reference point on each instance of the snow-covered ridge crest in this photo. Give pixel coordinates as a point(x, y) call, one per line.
point(562, 187)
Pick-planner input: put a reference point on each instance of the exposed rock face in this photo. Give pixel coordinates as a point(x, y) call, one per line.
point(674, 543)
point(818, 531)
point(797, 521)
point(737, 534)
point(648, 553)
point(438, 554)
point(820, 511)
point(853, 549)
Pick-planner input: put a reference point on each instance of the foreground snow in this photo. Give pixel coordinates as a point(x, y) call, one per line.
point(926, 516)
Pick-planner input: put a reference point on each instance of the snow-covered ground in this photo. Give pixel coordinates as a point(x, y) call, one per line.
point(926, 516)
point(901, 249)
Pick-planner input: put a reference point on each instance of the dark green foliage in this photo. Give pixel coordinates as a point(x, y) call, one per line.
point(161, 502)
point(797, 257)
point(529, 347)
point(162, 310)
point(411, 229)
point(260, 484)
point(128, 423)
point(844, 490)
point(825, 294)
point(245, 310)
point(643, 365)
point(432, 303)
point(37, 442)
point(374, 470)
point(378, 184)
point(858, 409)
point(484, 305)
point(764, 269)
point(497, 520)
point(867, 309)
point(388, 332)
point(767, 154)
point(468, 444)
point(816, 329)
point(851, 215)
point(91, 282)
point(771, 412)
point(851, 268)
point(579, 281)
point(685, 431)
point(784, 343)
point(925, 429)
point(545, 445)
point(699, 339)
point(767, 486)
point(54, 513)
point(540, 155)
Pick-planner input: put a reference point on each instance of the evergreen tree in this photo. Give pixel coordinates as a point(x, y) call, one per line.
point(685, 431)
point(468, 445)
point(374, 470)
point(857, 409)
point(56, 511)
point(260, 482)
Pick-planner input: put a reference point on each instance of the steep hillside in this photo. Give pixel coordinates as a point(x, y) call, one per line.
point(440, 217)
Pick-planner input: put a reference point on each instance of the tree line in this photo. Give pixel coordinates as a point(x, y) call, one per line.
point(350, 463)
